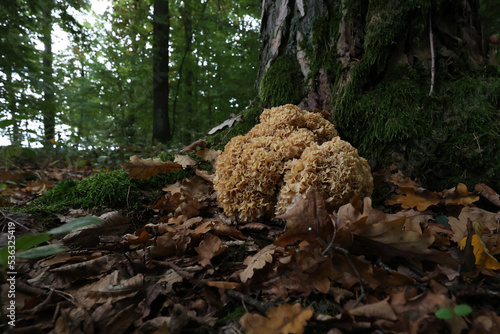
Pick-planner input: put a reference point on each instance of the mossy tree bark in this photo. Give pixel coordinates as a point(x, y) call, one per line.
point(370, 64)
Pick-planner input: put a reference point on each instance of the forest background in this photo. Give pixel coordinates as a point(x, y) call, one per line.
point(97, 94)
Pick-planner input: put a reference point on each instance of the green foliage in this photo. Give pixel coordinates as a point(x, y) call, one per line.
point(282, 83)
point(490, 14)
point(24, 245)
point(103, 82)
point(458, 310)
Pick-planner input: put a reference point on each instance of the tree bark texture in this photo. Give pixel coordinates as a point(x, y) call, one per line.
point(49, 113)
point(161, 121)
point(369, 64)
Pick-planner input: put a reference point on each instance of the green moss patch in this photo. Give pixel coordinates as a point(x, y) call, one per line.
point(451, 137)
point(106, 190)
point(282, 83)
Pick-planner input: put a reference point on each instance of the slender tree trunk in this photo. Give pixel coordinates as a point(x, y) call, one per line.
point(372, 64)
point(161, 121)
point(48, 112)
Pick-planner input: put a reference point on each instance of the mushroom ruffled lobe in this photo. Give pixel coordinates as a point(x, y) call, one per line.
point(334, 168)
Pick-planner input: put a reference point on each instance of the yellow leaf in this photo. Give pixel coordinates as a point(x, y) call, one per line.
point(481, 252)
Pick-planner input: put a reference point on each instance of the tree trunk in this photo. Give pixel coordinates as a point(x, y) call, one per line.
point(161, 122)
point(404, 81)
point(48, 112)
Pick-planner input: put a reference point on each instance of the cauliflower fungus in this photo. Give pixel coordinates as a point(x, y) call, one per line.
point(262, 173)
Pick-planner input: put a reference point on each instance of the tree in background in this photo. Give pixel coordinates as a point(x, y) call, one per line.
point(161, 34)
point(28, 72)
point(214, 63)
point(19, 67)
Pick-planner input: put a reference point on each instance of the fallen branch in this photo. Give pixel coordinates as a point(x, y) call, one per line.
point(433, 58)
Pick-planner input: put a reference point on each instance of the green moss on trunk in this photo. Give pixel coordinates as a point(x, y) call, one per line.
point(282, 83)
point(451, 137)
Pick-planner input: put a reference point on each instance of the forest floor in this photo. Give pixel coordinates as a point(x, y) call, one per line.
point(409, 260)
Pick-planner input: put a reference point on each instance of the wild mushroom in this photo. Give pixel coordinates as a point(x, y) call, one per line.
point(250, 172)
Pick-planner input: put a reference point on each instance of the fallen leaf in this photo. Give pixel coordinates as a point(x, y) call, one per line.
point(227, 123)
point(185, 160)
point(392, 234)
point(209, 247)
point(209, 155)
point(257, 261)
point(195, 145)
point(458, 196)
point(488, 193)
point(283, 319)
point(481, 252)
point(139, 168)
point(459, 225)
point(401, 181)
point(307, 220)
point(224, 285)
point(377, 310)
point(419, 198)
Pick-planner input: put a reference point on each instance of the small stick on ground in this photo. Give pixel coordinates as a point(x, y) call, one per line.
point(15, 221)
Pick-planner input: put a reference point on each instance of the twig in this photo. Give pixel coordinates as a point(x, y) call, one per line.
point(333, 237)
point(433, 60)
point(356, 272)
point(477, 141)
point(339, 249)
point(14, 221)
point(32, 198)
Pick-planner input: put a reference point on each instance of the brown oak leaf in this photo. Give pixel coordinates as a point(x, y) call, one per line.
point(283, 319)
point(307, 220)
point(209, 247)
point(257, 261)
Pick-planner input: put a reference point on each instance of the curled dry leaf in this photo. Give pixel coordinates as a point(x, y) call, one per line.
point(257, 261)
point(139, 168)
point(307, 220)
point(459, 225)
point(488, 193)
point(379, 310)
point(283, 319)
point(184, 160)
point(209, 247)
point(226, 123)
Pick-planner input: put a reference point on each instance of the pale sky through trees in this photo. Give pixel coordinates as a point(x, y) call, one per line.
point(60, 43)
